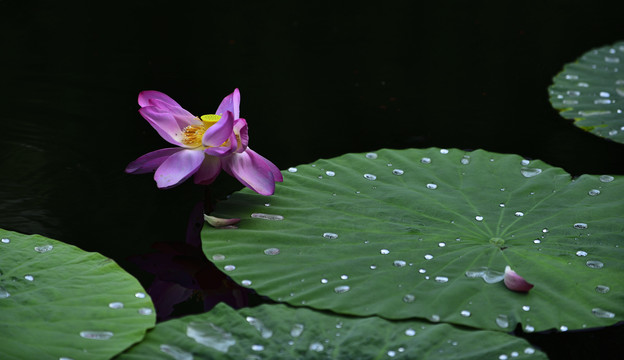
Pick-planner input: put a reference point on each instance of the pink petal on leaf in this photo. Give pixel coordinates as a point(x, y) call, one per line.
point(150, 161)
point(178, 167)
point(218, 133)
point(252, 170)
point(230, 103)
point(219, 222)
point(147, 95)
point(515, 282)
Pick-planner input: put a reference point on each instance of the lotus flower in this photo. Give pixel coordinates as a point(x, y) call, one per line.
point(516, 282)
point(204, 145)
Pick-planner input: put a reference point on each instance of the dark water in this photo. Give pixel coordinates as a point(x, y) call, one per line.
point(318, 79)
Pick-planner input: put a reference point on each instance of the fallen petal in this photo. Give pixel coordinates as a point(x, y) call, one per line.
point(516, 282)
point(219, 222)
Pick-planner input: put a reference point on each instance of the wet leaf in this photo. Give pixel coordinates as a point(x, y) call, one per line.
point(59, 302)
point(430, 238)
point(590, 91)
point(281, 332)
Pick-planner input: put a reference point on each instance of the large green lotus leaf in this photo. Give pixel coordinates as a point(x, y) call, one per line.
point(401, 246)
point(280, 332)
point(59, 302)
point(590, 91)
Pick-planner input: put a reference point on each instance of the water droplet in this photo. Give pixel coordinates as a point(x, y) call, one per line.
point(465, 160)
point(441, 279)
point(410, 332)
point(218, 257)
point(526, 308)
point(570, 102)
point(529, 328)
point(434, 318)
point(582, 84)
point(371, 156)
point(29, 277)
point(259, 325)
point(612, 59)
point(502, 357)
point(502, 321)
point(344, 277)
point(145, 311)
point(44, 248)
point(272, 251)
point(479, 218)
point(384, 251)
point(530, 172)
point(580, 226)
point(465, 313)
point(329, 235)
point(96, 335)
point(116, 305)
point(488, 275)
point(432, 186)
point(256, 347)
point(267, 216)
point(594, 264)
point(594, 112)
point(594, 192)
point(519, 213)
point(571, 77)
point(373, 267)
point(544, 230)
point(318, 347)
point(341, 289)
point(408, 298)
point(537, 241)
point(444, 151)
point(330, 173)
point(441, 244)
point(140, 295)
point(422, 271)
point(563, 328)
point(606, 178)
point(501, 205)
point(370, 177)
point(573, 93)
point(246, 282)
point(5, 240)
point(324, 281)
point(399, 263)
point(4, 293)
point(428, 257)
point(398, 172)
point(602, 101)
point(613, 132)
point(229, 267)
point(292, 169)
point(581, 253)
point(529, 351)
point(296, 330)
point(210, 335)
point(175, 352)
point(603, 289)
point(598, 312)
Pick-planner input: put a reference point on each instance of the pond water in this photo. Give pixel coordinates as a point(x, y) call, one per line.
point(316, 82)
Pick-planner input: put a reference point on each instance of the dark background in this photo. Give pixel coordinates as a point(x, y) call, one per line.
point(318, 79)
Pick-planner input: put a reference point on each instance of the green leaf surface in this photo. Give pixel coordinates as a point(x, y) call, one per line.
point(59, 302)
point(400, 246)
point(590, 91)
point(280, 332)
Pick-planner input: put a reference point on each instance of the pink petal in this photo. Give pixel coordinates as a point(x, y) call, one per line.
point(146, 96)
point(252, 170)
point(164, 123)
point(219, 222)
point(230, 103)
point(208, 171)
point(178, 167)
point(516, 282)
point(150, 161)
point(183, 117)
point(240, 129)
point(218, 133)
point(222, 151)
